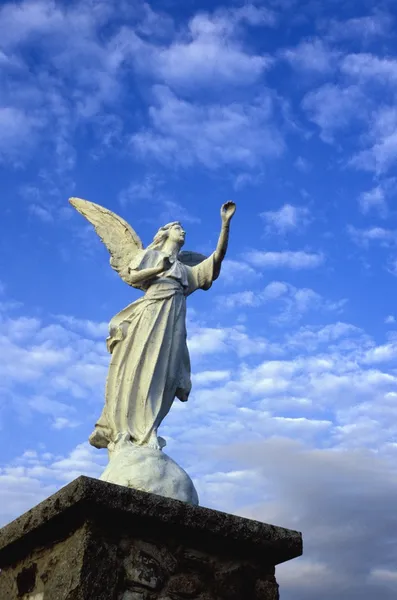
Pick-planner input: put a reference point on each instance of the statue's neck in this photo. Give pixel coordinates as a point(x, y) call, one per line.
point(171, 249)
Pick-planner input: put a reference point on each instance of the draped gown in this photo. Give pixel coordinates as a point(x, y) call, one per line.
point(150, 364)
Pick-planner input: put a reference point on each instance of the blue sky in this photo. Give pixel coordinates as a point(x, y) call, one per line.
point(164, 111)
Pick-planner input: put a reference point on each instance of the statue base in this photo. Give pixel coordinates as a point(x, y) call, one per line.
point(148, 470)
point(97, 541)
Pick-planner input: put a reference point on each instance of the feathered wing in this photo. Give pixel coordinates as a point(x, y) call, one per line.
point(191, 259)
point(118, 236)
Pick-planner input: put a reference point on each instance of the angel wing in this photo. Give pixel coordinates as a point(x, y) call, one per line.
point(191, 259)
point(119, 238)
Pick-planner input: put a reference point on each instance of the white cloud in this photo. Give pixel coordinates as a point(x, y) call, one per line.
point(366, 66)
point(247, 298)
point(390, 320)
point(236, 271)
point(344, 335)
point(147, 189)
point(19, 131)
point(333, 107)
point(387, 577)
point(287, 259)
point(373, 199)
point(214, 135)
point(304, 395)
point(87, 327)
point(312, 55)
point(381, 154)
point(51, 366)
point(45, 106)
point(289, 303)
point(151, 24)
point(19, 23)
point(360, 100)
point(208, 378)
point(365, 28)
point(49, 406)
point(64, 422)
point(209, 49)
point(302, 164)
point(210, 53)
point(392, 266)
point(373, 234)
point(32, 477)
point(151, 190)
point(42, 213)
point(367, 75)
point(171, 210)
point(207, 341)
point(287, 218)
point(275, 289)
point(306, 575)
point(380, 354)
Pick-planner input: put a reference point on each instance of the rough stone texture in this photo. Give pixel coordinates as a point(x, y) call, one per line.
point(98, 541)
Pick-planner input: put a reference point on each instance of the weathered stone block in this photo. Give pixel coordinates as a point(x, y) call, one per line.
point(98, 541)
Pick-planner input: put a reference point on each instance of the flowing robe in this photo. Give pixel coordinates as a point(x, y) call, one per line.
point(150, 363)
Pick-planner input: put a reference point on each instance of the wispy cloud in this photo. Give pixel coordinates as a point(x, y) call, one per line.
point(313, 56)
point(381, 153)
point(374, 199)
point(286, 302)
point(381, 235)
point(184, 133)
point(287, 218)
point(367, 67)
point(236, 271)
point(41, 213)
point(33, 476)
point(365, 28)
point(151, 189)
point(212, 52)
point(333, 107)
point(286, 259)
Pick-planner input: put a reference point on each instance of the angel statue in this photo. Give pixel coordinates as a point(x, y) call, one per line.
point(150, 364)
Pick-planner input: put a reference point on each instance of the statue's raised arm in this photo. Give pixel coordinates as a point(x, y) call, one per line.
point(150, 364)
point(227, 211)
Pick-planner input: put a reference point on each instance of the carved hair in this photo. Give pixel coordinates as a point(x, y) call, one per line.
point(161, 236)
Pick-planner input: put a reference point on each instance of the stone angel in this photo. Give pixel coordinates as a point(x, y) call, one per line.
point(150, 364)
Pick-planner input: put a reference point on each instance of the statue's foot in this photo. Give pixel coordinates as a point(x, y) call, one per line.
point(98, 438)
point(156, 443)
point(153, 444)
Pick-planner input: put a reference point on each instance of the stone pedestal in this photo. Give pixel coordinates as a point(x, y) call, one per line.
point(94, 540)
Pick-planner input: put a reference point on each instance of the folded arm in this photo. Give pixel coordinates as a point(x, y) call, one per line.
point(135, 276)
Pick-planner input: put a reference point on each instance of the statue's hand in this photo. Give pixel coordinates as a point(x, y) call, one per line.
point(164, 265)
point(227, 211)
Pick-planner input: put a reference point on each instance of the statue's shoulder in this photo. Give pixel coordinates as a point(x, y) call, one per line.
point(145, 259)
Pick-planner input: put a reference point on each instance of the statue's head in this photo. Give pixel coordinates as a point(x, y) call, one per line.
point(173, 232)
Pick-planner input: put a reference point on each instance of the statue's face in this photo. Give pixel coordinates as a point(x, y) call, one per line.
point(177, 234)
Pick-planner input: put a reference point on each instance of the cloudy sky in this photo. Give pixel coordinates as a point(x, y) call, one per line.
point(164, 111)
